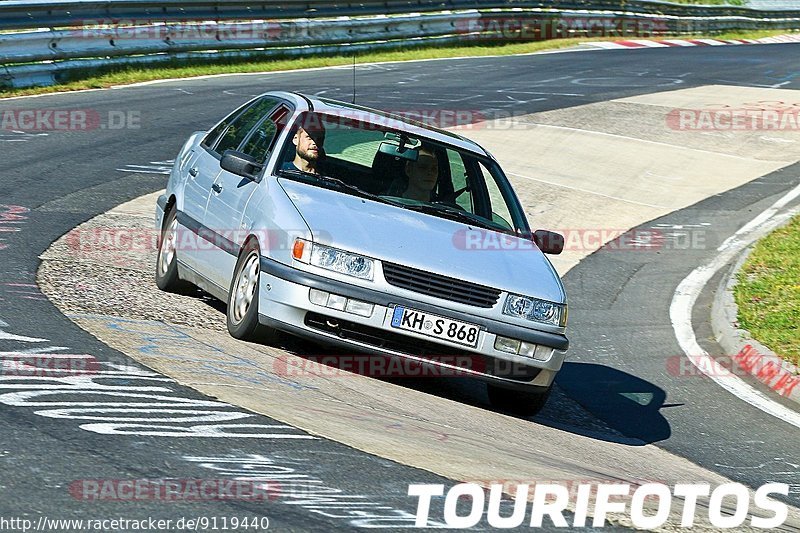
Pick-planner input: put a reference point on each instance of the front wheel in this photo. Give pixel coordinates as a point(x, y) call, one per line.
point(517, 402)
point(243, 299)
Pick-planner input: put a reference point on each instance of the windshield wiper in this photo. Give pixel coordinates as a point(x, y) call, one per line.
point(357, 191)
point(456, 214)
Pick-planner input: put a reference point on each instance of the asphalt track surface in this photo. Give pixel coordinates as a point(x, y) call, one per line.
point(619, 322)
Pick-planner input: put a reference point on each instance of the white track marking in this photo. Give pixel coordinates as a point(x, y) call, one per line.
point(679, 42)
point(21, 338)
point(628, 138)
point(686, 294)
point(650, 44)
point(609, 45)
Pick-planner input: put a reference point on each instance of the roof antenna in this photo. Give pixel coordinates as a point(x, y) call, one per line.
point(354, 77)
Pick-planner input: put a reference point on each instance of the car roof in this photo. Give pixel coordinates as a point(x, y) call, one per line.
point(305, 102)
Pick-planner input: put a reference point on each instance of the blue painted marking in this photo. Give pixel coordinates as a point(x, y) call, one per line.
point(398, 316)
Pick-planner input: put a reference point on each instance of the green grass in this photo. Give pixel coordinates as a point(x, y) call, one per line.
point(768, 292)
point(93, 80)
point(753, 34)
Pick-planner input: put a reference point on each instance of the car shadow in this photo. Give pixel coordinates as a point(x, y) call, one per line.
point(625, 403)
point(590, 400)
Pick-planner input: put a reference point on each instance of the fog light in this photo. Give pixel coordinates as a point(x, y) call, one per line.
point(527, 349)
point(543, 353)
point(505, 344)
point(357, 307)
point(318, 297)
point(337, 302)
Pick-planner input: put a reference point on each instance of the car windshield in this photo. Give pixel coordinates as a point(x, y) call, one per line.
point(374, 160)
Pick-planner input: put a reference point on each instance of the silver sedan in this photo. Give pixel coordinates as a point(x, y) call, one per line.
point(367, 231)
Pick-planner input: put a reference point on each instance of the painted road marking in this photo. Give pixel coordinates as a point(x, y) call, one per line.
point(689, 289)
point(295, 483)
point(138, 402)
point(155, 167)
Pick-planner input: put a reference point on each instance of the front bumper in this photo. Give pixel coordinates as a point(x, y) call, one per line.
point(284, 302)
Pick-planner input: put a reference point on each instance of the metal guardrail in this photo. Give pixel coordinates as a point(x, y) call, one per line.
point(16, 14)
point(44, 42)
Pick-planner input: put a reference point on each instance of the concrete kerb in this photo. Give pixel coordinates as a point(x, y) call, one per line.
point(747, 353)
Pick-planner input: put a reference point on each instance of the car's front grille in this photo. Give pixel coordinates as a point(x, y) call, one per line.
point(432, 351)
point(440, 286)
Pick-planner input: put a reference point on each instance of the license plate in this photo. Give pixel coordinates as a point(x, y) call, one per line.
point(435, 326)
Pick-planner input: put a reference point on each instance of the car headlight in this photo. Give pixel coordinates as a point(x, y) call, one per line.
point(536, 310)
point(334, 259)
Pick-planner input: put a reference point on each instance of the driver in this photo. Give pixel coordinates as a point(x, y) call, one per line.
point(308, 142)
point(423, 174)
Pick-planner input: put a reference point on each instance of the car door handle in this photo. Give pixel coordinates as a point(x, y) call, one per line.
point(193, 172)
point(216, 187)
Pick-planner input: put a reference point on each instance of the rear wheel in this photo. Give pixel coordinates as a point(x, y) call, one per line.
point(517, 402)
point(167, 260)
point(243, 298)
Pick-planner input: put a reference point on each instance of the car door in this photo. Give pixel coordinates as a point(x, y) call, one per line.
point(230, 193)
point(200, 175)
point(201, 170)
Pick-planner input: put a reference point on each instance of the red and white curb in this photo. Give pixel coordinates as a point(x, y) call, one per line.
point(748, 354)
point(667, 43)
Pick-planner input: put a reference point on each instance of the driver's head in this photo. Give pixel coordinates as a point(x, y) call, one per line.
point(310, 137)
point(424, 172)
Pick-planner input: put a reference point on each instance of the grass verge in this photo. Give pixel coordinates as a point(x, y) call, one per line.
point(93, 80)
point(768, 292)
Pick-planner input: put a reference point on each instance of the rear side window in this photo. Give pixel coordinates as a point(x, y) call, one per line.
point(259, 143)
point(234, 132)
point(210, 140)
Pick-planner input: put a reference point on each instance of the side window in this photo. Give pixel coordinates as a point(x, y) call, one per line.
point(212, 136)
point(259, 143)
point(242, 124)
point(458, 173)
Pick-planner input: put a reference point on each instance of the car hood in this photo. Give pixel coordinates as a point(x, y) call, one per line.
point(425, 242)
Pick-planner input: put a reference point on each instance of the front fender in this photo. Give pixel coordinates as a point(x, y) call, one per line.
point(274, 219)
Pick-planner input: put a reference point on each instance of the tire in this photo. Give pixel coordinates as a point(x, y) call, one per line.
point(167, 259)
point(517, 402)
point(242, 313)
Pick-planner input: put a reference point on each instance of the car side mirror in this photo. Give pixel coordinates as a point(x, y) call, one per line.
point(549, 242)
point(240, 164)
